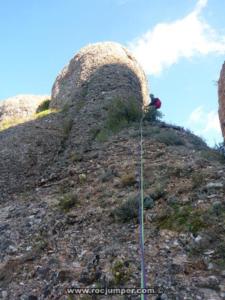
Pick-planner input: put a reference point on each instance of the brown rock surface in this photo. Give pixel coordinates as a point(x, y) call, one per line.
point(68, 208)
point(221, 94)
point(26, 150)
point(38, 148)
point(100, 72)
point(44, 250)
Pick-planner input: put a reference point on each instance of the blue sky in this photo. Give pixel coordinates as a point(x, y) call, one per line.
point(180, 43)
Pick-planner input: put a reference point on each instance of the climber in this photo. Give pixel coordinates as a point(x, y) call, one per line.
point(155, 102)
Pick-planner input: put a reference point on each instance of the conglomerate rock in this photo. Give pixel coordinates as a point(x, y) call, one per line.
point(36, 149)
point(99, 73)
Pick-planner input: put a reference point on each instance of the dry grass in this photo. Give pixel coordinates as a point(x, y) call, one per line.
point(128, 180)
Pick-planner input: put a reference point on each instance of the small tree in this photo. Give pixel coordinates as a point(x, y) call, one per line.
point(43, 106)
point(151, 114)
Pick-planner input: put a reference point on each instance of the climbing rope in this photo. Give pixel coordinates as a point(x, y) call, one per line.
point(141, 214)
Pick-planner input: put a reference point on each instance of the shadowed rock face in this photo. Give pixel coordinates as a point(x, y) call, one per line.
point(26, 151)
point(100, 73)
point(221, 94)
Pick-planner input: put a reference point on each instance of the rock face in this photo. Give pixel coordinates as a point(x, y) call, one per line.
point(99, 73)
point(221, 94)
point(68, 202)
point(20, 106)
point(45, 249)
point(26, 150)
point(37, 148)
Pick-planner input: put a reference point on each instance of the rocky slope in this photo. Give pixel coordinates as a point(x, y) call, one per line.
point(75, 229)
point(69, 194)
point(26, 150)
point(83, 91)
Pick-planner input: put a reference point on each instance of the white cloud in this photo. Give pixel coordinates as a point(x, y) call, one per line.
point(205, 124)
point(196, 115)
point(212, 122)
point(200, 5)
point(166, 43)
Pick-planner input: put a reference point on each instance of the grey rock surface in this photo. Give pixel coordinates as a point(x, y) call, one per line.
point(60, 191)
point(100, 72)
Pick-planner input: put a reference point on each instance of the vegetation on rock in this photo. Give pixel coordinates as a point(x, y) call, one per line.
point(69, 205)
point(152, 114)
point(128, 210)
point(43, 106)
point(68, 201)
point(120, 115)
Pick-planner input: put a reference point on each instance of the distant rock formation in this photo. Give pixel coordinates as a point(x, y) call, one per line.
point(221, 94)
point(20, 106)
point(99, 73)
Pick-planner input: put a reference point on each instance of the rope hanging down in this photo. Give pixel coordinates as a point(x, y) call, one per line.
point(141, 215)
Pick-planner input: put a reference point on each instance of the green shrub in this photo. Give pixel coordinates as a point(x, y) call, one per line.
point(40, 243)
point(169, 138)
point(159, 191)
point(68, 201)
point(121, 113)
point(103, 135)
point(148, 202)
point(152, 114)
point(213, 155)
point(121, 272)
point(218, 208)
point(183, 218)
point(197, 179)
point(220, 147)
point(43, 106)
point(128, 210)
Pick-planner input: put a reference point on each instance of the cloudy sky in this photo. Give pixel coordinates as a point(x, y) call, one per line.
point(180, 44)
